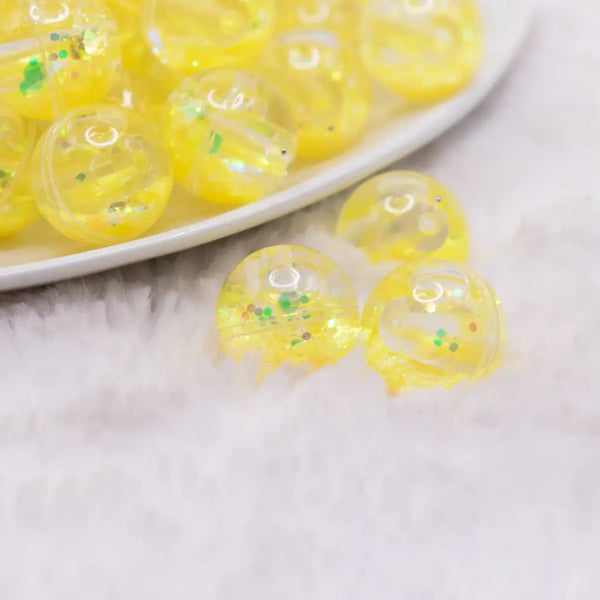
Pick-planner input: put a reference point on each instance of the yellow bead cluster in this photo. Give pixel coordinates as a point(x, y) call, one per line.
point(239, 89)
point(431, 322)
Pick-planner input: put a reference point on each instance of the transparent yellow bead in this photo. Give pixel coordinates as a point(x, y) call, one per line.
point(288, 304)
point(423, 50)
point(403, 215)
point(327, 86)
point(339, 16)
point(101, 175)
point(17, 139)
point(231, 136)
point(192, 36)
point(140, 94)
point(433, 323)
point(128, 15)
point(55, 55)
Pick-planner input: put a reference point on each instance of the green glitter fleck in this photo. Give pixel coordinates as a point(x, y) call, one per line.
point(33, 76)
point(216, 141)
point(62, 54)
point(296, 342)
point(284, 302)
point(268, 311)
point(453, 347)
point(306, 316)
point(80, 177)
point(304, 299)
point(441, 333)
point(438, 343)
point(89, 34)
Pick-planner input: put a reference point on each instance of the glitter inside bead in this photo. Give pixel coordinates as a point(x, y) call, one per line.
point(432, 323)
point(193, 36)
point(288, 304)
point(101, 175)
point(231, 136)
point(402, 215)
point(325, 83)
point(424, 50)
point(339, 16)
point(17, 139)
point(55, 55)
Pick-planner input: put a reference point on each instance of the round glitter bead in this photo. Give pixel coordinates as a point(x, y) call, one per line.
point(326, 85)
point(193, 36)
point(424, 50)
point(231, 136)
point(318, 331)
point(418, 326)
point(101, 175)
point(339, 16)
point(43, 43)
point(402, 215)
point(17, 139)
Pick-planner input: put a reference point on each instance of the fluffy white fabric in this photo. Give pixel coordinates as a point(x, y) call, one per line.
point(135, 463)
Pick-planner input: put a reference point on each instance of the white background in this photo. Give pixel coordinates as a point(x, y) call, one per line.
point(134, 463)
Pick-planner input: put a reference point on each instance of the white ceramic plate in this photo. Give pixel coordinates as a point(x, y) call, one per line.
point(40, 256)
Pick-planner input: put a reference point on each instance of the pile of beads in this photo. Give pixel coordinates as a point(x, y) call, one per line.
point(224, 95)
point(431, 322)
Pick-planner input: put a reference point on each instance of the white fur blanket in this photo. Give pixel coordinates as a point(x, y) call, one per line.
point(135, 464)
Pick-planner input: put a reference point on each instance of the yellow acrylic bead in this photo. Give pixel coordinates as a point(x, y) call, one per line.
point(339, 16)
point(433, 323)
point(128, 15)
point(17, 139)
point(101, 175)
point(55, 55)
point(402, 215)
point(231, 136)
point(422, 49)
point(288, 304)
point(327, 86)
point(141, 94)
point(192, 36)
